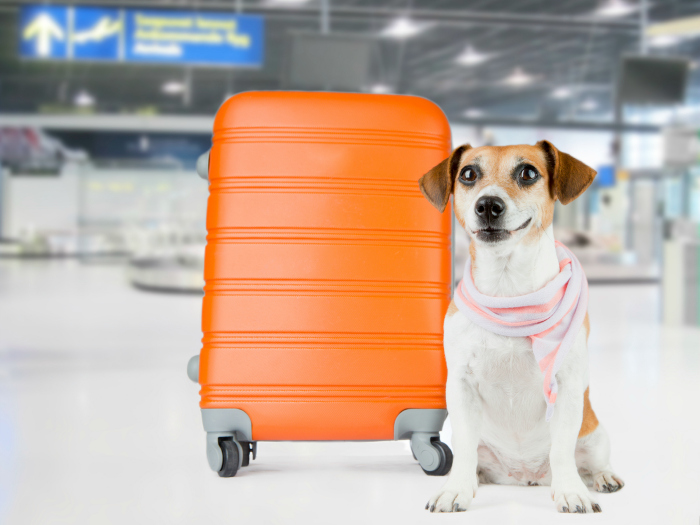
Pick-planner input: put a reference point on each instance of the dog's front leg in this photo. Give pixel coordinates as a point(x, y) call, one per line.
point(569, 492)
point(464, 407)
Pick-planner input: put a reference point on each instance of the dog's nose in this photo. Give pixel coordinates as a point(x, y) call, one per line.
point(489, 208)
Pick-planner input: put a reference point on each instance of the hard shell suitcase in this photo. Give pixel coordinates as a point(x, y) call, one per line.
point(327, 274)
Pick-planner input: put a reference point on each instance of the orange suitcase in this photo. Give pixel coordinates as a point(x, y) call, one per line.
point(327, 274)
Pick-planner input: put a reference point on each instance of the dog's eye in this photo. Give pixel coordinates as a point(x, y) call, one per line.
point(529, 174)
point(467, 175)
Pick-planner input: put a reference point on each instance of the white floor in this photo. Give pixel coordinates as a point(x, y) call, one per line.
point(99, 423)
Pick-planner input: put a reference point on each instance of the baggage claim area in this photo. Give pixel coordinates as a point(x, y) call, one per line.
point(106, 115)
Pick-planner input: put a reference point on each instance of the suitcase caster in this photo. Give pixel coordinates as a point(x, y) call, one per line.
point(445, 460)
point(226, 454)
point(229, 442)
point(231, 457)
point(434, 456)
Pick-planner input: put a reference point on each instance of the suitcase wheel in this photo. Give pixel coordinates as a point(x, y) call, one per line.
point(434, 457)
point(445, 459)
point(231, 453)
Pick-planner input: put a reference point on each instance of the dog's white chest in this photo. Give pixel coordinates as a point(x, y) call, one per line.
point(514, 434)
point(504, 368)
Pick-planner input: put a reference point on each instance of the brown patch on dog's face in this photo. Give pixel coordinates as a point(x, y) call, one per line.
point(505, 194)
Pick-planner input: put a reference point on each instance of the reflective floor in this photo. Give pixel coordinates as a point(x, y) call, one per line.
point(99, 423)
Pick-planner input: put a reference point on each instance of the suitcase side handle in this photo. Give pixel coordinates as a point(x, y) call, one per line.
point(203, 165)
point(193, 368)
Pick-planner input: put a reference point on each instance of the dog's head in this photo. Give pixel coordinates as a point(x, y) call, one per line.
point(506, 194)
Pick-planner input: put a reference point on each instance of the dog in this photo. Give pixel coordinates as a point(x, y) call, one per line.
point(504, 198)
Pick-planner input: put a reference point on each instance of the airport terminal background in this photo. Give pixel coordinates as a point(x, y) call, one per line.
point(105, 107)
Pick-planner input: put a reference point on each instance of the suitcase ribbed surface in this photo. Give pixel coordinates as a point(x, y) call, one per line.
point(327, 272)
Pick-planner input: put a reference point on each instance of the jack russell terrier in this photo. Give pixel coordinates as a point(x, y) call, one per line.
point(516, 332)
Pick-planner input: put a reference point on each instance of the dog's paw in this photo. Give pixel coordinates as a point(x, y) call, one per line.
point(606, 481)
point(452, 499)
point(573, 497)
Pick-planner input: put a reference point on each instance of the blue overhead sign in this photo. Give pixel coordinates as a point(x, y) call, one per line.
point(140, 35)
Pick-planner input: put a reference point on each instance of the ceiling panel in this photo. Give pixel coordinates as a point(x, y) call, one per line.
point(555, 43)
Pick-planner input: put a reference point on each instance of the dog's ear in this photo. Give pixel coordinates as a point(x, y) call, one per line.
point(568, 177)
point(438, 183)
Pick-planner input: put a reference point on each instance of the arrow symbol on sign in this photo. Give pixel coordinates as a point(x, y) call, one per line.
point(44, 29)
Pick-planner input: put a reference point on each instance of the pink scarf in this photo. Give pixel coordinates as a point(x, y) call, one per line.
point(551, 317)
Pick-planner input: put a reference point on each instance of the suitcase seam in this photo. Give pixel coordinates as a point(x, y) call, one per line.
point(275, 131)
point(315, 190)
point(378, 336)
point(292, 391)
point(324, 129)
point(374, 143)
point(320, 243)
point(308, 400)
point(436, 347)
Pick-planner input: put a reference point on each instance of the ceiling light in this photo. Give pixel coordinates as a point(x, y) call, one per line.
point(518, 78)
point(664, 41)
point(615, 8)
point(84, 99)
point(473, 113)
point(381, 88)
point(562, 92)
point(403, 28)
point(589, 104)
point(687, 26)
point(471, 57)
point(290, 3)
point(173, 88)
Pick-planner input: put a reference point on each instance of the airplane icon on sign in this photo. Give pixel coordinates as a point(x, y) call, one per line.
point(43, 29)
point(105, 28)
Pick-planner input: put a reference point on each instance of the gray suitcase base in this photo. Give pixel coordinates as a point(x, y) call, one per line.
point(421, 426)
